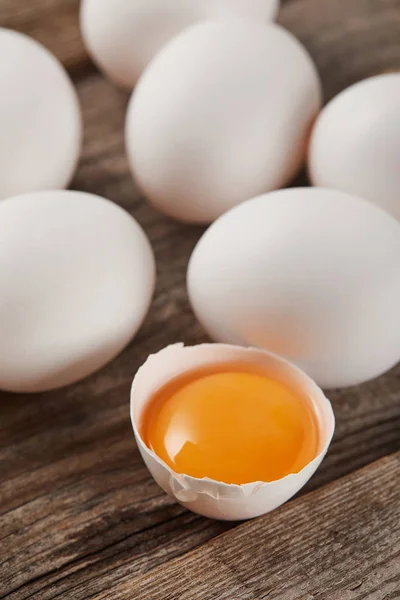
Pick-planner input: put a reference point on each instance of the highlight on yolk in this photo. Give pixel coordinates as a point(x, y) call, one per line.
point(231, 426)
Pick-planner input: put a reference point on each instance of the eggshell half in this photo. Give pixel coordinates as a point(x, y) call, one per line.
point(76, 279)
point(205, 496)
point(355, 145)
point(221, 114)
point(122, 36)
point(40, 121)
point(309, 273)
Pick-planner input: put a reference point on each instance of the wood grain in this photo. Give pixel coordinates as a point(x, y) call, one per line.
point(348, 39)
point(80, 515)
point(341, 542)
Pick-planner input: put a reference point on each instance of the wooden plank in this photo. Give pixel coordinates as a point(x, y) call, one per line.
point(54, 23)
point(340, 542)
point(348, 39)
point(79, 512)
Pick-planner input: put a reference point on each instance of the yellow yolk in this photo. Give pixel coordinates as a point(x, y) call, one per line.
point(231, 426)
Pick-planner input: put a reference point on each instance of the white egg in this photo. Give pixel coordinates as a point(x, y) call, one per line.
point(76, 280)
point(122, 36)
point(311, 274)
point(355, 145)
point(221, 114)
point(206, 496)
point(40, 119)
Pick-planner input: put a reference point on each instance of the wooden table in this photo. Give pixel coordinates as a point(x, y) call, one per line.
point(80, 516)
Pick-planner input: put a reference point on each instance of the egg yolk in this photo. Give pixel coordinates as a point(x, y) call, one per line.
point(233, 427)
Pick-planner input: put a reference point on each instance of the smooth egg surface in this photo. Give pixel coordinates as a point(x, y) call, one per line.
point(232, 426)
point(122, 36)
point(309, 273)
point(76, 279)
point(40, 120)
point(238, 102)
point(355, 145)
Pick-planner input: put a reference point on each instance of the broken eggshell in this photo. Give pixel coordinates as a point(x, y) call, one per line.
point(206, 496)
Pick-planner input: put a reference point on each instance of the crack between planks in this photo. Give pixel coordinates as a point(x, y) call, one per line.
point(84, 557)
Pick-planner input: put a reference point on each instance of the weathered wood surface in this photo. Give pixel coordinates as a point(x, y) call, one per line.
point(340, 542)
point(80, 515)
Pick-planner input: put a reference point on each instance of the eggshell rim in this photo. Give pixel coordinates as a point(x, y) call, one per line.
point(246, 489)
